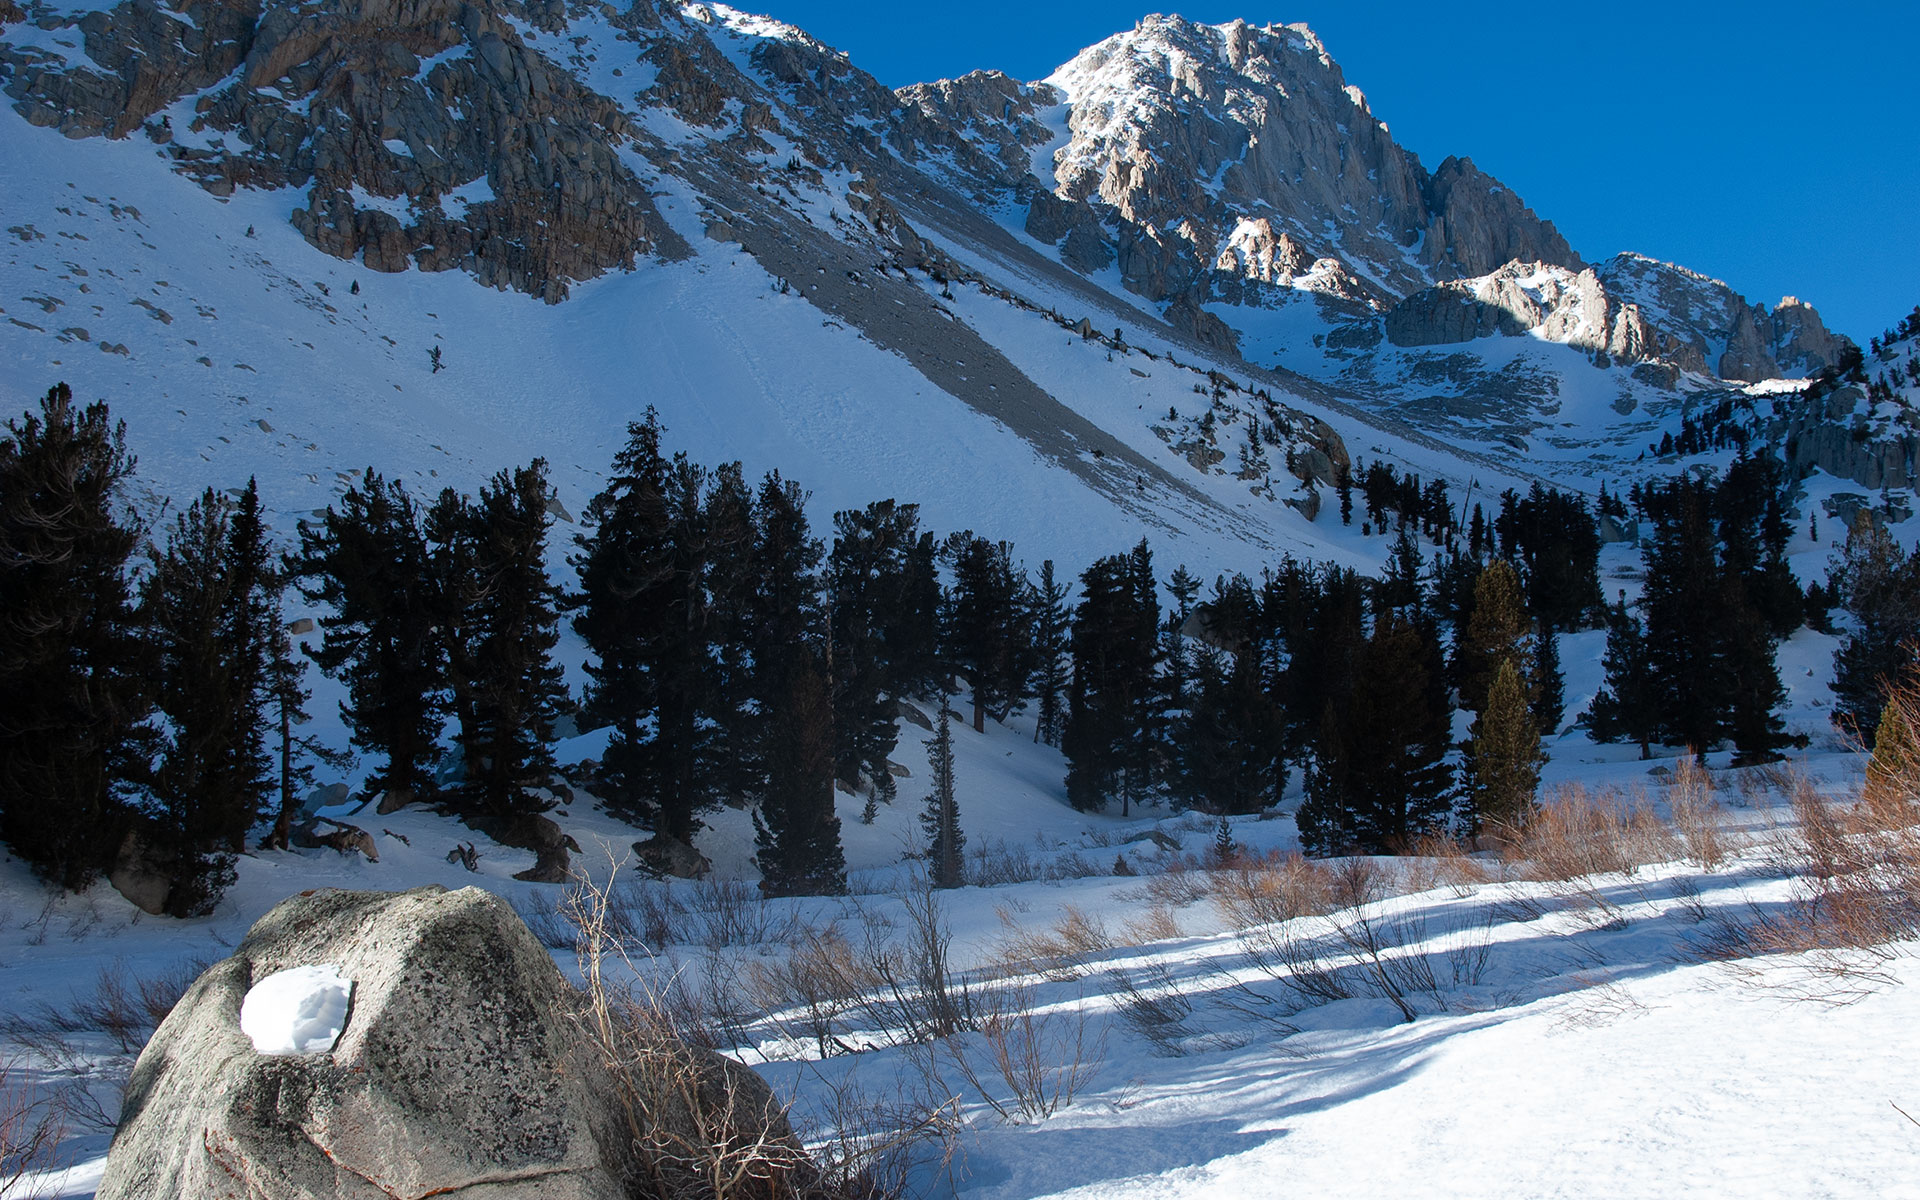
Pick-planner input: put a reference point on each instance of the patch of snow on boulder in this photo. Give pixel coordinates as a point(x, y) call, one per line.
point(297, 1011)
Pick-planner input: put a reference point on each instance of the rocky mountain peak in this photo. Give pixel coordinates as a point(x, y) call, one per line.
point(1188, 152)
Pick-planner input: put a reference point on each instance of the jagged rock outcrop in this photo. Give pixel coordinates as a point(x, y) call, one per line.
point(1728, 336)
point(994, 112)
point(1798, 340)
point(460, 1072)
point(1673, 325)
point(427, 133)
point(1194, 128)
point(1478, 224)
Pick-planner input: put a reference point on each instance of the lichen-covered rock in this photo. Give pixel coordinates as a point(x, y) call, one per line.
point(461, 1071)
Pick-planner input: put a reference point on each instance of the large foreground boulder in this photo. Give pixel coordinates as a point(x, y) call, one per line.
point(463, 1069)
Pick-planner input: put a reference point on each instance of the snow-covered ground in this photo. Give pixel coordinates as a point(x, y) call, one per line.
point(1574, 1043)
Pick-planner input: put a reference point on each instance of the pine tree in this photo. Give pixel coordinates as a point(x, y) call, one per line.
point(1685, 624)
point(1550, 686)
point(865, 582)
point(1504, 755)
point(1380, 777)
point(1623, 710)
point(512, 628)
point(1107, 740)
point(985, 638)
point(1497, 632)
point(72, 694)
point(664, 574)
point(1893, 770)
point(209, 610)
point(1227, 743)
point(1052, 625)
point(1753, 720)
point(368, 564)
point(796, 830)
point(1877, 584)
point(941, 820)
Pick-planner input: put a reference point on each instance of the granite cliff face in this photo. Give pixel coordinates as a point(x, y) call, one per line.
point(1235, 147)
point(427, 133)
point(1630, 310)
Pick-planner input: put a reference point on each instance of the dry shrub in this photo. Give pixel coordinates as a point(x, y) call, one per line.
point(1441, 860)
point(877, 1145)
point(1155, 1006)
point(1267, 890)
point(125, 1007)
point(1325, 933)
point(1060, 953)
point(728, 912)
point(697, 1124)
point(996, 863)
point(638, 913)
point(1697, 815)
point(1157, 924)
point(899, 982)
point(32, 1126)
point(1858, 873)
point(1182, 882)
point(1576, 833)
point(1042, 1058)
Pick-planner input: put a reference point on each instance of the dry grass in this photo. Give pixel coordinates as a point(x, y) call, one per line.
point(1857, 871)
point(701, 1125)
point(1440, 860)
point(1276, 888)
point(1061, 953)
point(1577, 833)
point(1697, 816)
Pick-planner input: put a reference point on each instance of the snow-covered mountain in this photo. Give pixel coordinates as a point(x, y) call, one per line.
point(1168, 290)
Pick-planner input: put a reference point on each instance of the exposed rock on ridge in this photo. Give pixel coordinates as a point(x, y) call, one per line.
point(427, 132)
point(1184, 130)
point(1629, 310)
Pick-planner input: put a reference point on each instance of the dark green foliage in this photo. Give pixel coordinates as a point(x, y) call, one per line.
point(1226, 745)
point(1686, 623)
point(1380, 777)
point(867, 583)
point(211, 610)
point(1052, 626)
point(72, 693)
point(796, 831)
point(1503, 756)
point(1108, 740)
point(1556, 543)
point(941, 819)
point(1550, 685)
point(1498, 631)
point(986, 637)
point(1755, 694)
point(502, 631)
point(1877, 584)
point(1313, 627)
point(368, 564)
point(1623, 710)
point(646, 612)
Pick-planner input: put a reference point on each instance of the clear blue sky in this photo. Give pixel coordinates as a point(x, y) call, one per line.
point(1774, 146)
